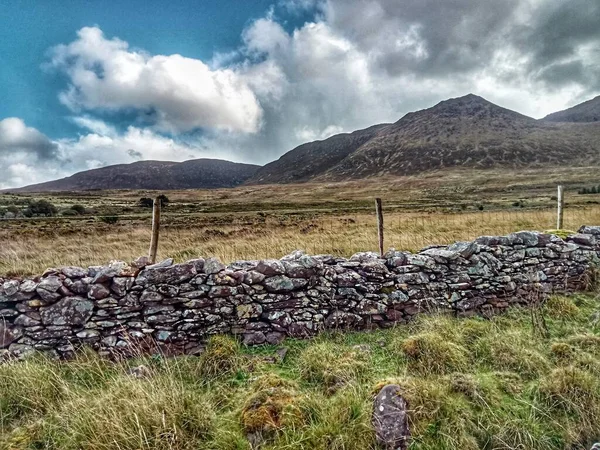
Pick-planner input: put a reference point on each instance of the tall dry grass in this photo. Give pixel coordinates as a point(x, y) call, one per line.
point(253, 236)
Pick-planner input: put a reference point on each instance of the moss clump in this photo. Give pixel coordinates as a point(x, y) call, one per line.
point(273, 405)
point(333, 366)
point(561, 308)
point(586, 341)
point(222, 357)
point(571, 389)
point(562, 233)
point(430, 353)
point(512, 352)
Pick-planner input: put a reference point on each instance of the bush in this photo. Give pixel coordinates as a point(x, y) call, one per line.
point(79, 209)
point(111, 220)
point(221, 357)
point(145, 202)
point(332, 366)
point(430, 353)
point(40, 208)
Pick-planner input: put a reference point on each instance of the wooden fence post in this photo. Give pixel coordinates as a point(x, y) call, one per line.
point(561, 206)
point(155, 229)
point(379, 224)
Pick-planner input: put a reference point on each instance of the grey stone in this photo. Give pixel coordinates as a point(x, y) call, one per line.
point(9, 334)
point(279, 283)
point(248, 311)
point(120, 285)
point(587, 229)
point(213, 265)
point(443, 255)
point(50, 284)
point(270, 267)
point(26, 321)
point(68, 311)
point(28, 286)
point(74, 272)
point(390, 418)
point(98, 292)
point(175, 274)
point(253, 277)
point(465, 249)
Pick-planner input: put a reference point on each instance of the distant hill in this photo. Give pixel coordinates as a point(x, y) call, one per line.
point(462, 132)
point(584, 112)
point(161, 175)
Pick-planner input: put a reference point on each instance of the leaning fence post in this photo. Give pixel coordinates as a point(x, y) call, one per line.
point(155, 230)
point(560, 210)
point(379, 224)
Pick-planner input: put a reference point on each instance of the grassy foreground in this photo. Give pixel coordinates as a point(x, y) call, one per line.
point(470, 383)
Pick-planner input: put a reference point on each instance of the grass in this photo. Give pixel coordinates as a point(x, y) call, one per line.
point(29, 247)
point(250, 222)
point(470, 384)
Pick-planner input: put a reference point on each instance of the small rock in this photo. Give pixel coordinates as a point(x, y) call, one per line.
point(139, 372)
point(140, 262)
point(281, 353)
point(254, 338)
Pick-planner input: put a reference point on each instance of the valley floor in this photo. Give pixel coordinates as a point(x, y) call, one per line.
point(470, 384)
point(253, 222)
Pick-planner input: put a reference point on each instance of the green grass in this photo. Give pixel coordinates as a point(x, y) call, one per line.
point(470, 384)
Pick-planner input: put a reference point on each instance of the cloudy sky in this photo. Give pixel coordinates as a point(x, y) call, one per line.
point(84, 84)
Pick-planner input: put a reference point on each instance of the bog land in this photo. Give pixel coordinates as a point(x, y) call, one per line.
point(253, 222)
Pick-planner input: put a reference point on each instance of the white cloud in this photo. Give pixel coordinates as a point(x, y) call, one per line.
point(178, 93)
point(88, 151)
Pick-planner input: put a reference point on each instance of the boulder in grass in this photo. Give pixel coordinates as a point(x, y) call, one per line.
point(390, 419)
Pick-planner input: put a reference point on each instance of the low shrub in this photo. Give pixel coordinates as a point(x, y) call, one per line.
point(220, 358)
point(429, 353)
point(332, 365)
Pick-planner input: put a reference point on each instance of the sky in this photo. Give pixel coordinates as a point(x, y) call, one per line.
point(89, 83)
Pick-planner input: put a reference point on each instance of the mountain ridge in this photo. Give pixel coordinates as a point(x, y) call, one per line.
point(461, 132)
point(149, 174)
point(466, 131)
point(588, 111)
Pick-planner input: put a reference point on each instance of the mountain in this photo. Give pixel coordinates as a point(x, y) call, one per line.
point(193, 174)
point(584, 112)
point(466, 132)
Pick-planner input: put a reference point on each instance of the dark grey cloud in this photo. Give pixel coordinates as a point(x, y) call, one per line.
point(563, 43)
point(137, 155)
point(429, 37)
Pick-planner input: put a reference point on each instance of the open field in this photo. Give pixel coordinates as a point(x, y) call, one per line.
point(271, 221)
point(470, 384)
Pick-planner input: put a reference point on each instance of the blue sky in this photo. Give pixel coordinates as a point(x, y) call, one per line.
point(86, 84)
point(196, 29)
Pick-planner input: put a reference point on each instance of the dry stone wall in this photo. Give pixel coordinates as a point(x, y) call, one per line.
point(175, 307)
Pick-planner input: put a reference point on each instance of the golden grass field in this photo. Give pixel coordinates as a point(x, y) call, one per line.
point(254, 222)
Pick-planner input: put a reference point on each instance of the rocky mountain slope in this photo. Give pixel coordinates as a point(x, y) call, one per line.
point(463, 132)
point(584, 112)
point(193, 174)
